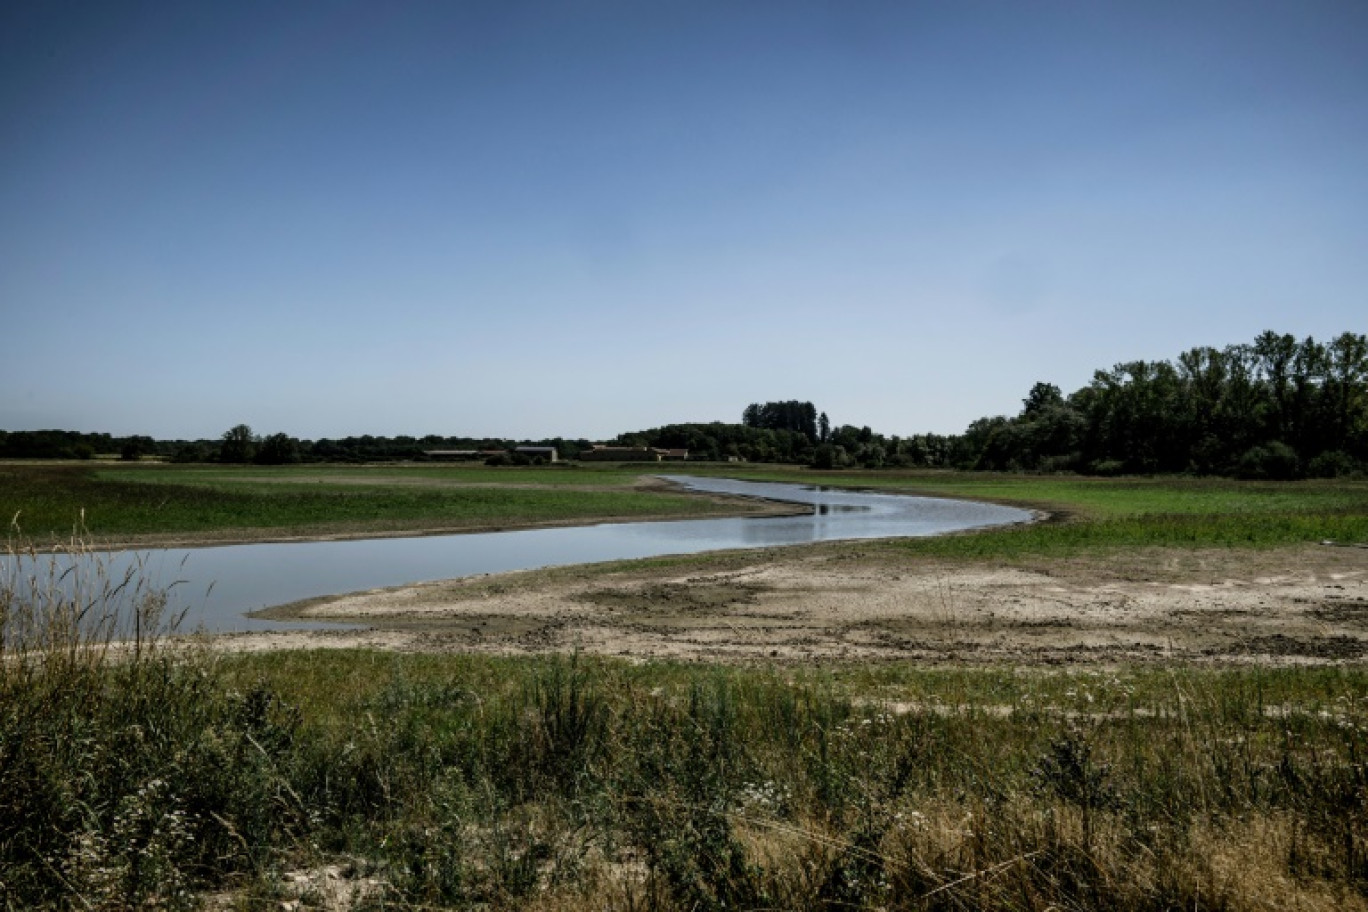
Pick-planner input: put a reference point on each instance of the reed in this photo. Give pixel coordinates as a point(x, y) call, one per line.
point(571, 783)
point(128, 776)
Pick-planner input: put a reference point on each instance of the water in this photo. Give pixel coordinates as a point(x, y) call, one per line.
point(219, 585)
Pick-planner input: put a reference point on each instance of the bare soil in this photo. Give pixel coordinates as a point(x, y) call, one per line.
point(1299, 605)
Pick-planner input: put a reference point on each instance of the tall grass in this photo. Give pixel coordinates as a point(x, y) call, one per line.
point(567, 783)
point(128, 776)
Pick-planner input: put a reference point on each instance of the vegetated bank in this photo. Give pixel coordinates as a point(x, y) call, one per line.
point(1128, 571)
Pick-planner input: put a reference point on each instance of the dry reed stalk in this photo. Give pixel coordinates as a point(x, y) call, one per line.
point(73, 606)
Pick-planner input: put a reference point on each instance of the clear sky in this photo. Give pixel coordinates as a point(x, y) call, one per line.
point(581, 218)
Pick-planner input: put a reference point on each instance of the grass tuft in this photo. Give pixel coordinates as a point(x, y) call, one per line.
point(128, 776)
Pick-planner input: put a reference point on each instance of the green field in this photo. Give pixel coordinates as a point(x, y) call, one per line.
point(129, 501)
point(1092, 513)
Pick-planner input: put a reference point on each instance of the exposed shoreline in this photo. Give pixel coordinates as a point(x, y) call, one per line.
point(1302, 605)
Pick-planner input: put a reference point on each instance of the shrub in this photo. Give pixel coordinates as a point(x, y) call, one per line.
point(1273, 461)
point(1331, 464)
point(1107, 467)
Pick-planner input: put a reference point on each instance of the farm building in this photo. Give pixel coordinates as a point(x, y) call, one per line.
point(544, 452)
point(600, 453)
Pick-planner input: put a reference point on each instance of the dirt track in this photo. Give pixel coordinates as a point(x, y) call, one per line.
point(1307, 604)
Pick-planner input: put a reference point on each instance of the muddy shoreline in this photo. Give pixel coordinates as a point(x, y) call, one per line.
point(1303, 605)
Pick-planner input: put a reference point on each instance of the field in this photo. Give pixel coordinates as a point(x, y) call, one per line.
point(1154, 700)
point(147, 504)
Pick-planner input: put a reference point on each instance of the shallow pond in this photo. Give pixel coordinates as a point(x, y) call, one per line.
point(220, 584)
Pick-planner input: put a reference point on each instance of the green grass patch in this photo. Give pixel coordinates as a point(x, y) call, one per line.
point(52, 500)
point(1094, 498)
point(267, 478)
point(1110, 513)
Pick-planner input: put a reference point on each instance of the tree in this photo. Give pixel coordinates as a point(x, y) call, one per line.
point(790, 415)
point(190, 452)
point(1273, 409)
point(239, 444)
point(829, 456)
point(278, 449)
point(1041, 397)
point(1275, 354)
point(1346, 386)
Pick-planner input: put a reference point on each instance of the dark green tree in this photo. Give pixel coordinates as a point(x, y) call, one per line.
point(239, 444)
point(278, 449)
point(1272, 409)
point(790, 415)
point(1041, 397)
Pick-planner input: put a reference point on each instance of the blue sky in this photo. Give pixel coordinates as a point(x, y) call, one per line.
point(576, 219)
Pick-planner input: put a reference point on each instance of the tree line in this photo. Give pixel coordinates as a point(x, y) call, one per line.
point(240, 444)
point(793, 431)
point(1274, 408)
point(55, 444)
point(1277, 407)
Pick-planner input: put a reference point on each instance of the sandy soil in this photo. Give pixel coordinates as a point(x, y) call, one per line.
point(1302, 605)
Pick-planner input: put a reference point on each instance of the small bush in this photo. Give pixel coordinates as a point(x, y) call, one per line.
point(1107, 467)
point(1332, 464)
point(1275, 461)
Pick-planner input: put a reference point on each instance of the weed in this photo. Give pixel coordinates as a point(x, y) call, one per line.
point(128, 777)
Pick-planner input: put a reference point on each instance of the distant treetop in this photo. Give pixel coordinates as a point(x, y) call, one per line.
point(791, 415)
